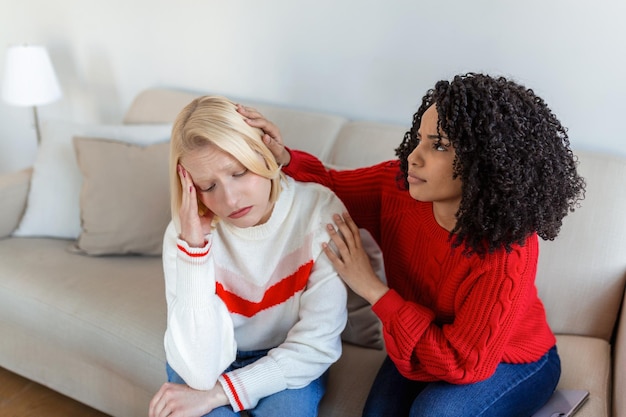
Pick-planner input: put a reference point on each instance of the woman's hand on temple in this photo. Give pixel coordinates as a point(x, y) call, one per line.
point(193, 225)
point(351, 260)
point(271, 137)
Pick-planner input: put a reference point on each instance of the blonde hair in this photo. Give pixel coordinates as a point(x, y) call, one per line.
point(214, 120)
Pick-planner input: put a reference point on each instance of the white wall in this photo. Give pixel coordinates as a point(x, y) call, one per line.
point(367, 59)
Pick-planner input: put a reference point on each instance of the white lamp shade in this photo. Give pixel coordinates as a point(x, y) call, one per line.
point(29, 78)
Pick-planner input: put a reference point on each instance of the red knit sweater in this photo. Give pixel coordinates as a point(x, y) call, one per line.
point(447, 316)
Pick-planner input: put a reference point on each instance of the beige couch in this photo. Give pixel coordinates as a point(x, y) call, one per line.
point(92, 327)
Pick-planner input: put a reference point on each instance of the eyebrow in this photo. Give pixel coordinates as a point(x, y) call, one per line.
point(434, 137)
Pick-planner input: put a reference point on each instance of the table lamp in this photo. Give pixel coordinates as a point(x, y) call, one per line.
point(29, 79)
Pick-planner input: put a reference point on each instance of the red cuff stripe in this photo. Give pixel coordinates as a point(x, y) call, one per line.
point(193, 255)
point(231, 387)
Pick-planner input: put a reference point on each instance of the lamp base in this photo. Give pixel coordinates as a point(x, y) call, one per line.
point(36, 119)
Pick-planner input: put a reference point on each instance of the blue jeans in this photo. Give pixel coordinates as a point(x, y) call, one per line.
point(512, 391)
point(282, 404)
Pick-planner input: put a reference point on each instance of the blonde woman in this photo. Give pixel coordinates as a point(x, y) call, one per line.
point(255, 309)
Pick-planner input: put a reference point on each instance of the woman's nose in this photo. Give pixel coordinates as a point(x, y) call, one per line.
point(415, 157)
point(230, 197)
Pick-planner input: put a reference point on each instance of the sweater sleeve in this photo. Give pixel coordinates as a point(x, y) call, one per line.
point(307, 168)
point(496, 299)
point(199, 339)
point(361, 190)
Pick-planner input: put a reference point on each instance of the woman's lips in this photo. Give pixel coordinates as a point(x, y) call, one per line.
point(240, 213)
point(414, 179)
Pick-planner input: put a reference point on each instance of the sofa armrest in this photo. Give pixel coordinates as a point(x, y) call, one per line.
point(13, 195)
point(619, 366)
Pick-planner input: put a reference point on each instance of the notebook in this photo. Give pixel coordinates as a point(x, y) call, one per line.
point(563, 403)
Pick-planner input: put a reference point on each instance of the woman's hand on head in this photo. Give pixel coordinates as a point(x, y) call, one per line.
point(352, 261)
point(271, 134)
point(193, 225)
point(179, 400)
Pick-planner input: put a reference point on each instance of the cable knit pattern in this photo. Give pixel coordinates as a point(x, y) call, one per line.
point(447, 316)
point(263, 287)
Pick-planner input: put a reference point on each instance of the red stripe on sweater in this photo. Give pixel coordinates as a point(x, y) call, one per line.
point(193, 255)
point(232, 389)
point(275, 295)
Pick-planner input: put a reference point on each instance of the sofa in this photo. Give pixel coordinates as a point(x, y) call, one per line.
point(82, 305)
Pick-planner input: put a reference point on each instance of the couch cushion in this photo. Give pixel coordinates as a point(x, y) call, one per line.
point(350, 381)
point(124, 200)
point(110, 311)
point(381, 139)
point(586, 364)
point(308, 131)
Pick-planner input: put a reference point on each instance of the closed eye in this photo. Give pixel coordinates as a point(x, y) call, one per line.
point(208, 189)
point(235, 175)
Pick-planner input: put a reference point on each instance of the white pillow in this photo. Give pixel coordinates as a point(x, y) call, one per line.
point(53, 207)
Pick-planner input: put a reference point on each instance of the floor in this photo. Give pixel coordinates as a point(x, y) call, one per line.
point(20, 397)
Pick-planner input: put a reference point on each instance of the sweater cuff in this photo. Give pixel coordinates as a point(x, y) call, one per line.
point(393, 305)
point(302, 162)
point(228, 385)
point(404, 321)
point(192, 254)
point(388, 305)
point(194, 281)
point(292, 166)
point(260, 382)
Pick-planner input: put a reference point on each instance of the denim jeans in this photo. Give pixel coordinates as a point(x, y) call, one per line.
point(302, 402)
point(514, 390)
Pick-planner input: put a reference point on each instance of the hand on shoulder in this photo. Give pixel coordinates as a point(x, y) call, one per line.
point(271, 134)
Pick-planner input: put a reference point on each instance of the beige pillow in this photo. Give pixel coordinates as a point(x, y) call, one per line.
point(124, 200)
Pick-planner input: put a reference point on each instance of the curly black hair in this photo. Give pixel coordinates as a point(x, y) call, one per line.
point(513, 157)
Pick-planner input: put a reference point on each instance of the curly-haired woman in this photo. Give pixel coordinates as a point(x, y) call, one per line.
point(485, 170)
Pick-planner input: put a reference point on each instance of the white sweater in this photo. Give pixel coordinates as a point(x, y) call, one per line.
point(264, 287)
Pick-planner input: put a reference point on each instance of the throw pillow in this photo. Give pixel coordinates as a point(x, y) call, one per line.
point(124, 200)
point(53, 207)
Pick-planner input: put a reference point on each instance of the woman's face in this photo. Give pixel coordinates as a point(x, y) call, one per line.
point(227, 188)
point(430, 173)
